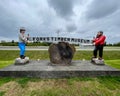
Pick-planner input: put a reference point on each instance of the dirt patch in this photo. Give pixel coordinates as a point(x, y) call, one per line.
point(11, 89)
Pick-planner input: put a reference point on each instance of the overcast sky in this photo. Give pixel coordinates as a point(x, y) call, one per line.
point(74, 18)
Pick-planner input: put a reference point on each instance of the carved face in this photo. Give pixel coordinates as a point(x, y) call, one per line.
point(22, 32)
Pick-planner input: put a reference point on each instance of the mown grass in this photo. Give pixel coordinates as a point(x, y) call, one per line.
point(113, 63)
point(2, 93)
point(112, 58)
point(101, 86)
point(43, 55)
point(6, 63)
point(12, 54)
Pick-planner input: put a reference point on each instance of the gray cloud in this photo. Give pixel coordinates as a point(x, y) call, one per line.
point(19, 13)
point(74, 18)
point(63, 8)
point(7, 23)
point(71, 28)
point(99, 9)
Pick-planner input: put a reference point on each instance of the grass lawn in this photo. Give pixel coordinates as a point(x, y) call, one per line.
point(99, 86)
point(112, 58)
point(113, 63)
point(6, 63)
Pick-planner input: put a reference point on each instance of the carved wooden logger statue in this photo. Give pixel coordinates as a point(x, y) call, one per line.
point(61, 53)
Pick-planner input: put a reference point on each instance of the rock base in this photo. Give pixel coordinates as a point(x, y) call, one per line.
point(97, 61)
point(42, 69)
point(20, 61)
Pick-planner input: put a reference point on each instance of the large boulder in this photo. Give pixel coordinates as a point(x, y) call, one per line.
point(61, 53)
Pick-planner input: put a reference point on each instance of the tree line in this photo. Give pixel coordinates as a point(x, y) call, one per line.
point(13, 43)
